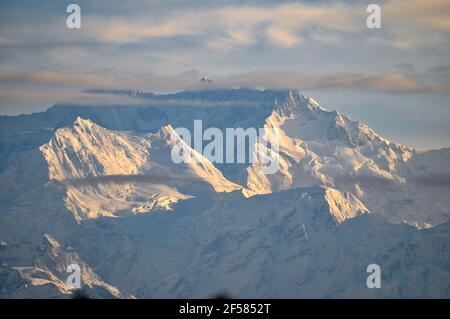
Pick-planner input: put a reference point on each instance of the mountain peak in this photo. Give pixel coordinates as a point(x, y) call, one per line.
point(297, 105)
point(79, 121)
point(166, 130)
point(168, 135)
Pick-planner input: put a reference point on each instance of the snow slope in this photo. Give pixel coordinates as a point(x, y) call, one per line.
point(295, 243)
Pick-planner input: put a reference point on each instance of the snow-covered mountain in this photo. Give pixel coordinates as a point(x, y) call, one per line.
point(142, 176)
point(46, 271)
point(320, 147)
point(100, 180)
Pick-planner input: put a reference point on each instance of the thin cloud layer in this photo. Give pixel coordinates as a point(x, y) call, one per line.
point(391, 82)
point(124, 179)
point(279, 24)
point(406, 24)
point(385, 83)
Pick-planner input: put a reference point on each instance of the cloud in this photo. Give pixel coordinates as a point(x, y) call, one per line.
point(428, 14)
point(430, 180)
point(238, 25)
point(385, 82)
point(82, 80)
point(282, 36)
point(440, 69)
point(61, 78)
point(111, 98)
point(128, 32)
point(46, 96)
point(405, 24)
point(230, 40)
point(393, 82)
point(124, 179)
point(442, 180)
point(228, 25)
point(403, 67)
point(390, 82)
point(414, 23)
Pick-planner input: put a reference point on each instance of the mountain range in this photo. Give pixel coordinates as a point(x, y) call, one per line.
point(94, 184)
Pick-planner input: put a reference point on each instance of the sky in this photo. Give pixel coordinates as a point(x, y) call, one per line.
point(395, 78)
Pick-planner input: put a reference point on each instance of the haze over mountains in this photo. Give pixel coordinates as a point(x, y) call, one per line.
point(96, 184)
